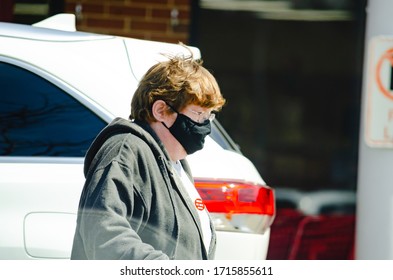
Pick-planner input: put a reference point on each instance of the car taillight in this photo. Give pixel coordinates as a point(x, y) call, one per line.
point(230, 200)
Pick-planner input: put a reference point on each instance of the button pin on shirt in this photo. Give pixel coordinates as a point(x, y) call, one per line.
point(199, 204)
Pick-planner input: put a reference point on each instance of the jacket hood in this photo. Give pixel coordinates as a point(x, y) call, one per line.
point(121, 126)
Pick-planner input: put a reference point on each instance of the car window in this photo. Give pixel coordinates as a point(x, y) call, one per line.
point(219, 135)
point(285, 204)
point(38, 118)
point(344, 208)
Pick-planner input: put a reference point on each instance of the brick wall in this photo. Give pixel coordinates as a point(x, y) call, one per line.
point(159, 20)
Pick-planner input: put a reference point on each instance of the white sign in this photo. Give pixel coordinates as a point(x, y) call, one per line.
point(379, 111)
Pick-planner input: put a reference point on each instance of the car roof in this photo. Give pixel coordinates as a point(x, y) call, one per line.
point(129, 58)
point(24, 31)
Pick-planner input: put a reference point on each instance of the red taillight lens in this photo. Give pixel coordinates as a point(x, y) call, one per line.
point(236, 197)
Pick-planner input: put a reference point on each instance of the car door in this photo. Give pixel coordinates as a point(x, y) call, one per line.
point(45, 133)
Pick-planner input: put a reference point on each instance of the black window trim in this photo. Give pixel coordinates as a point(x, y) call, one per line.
point(40, 160)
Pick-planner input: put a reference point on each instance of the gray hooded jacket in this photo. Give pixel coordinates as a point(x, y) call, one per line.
point(132, 205)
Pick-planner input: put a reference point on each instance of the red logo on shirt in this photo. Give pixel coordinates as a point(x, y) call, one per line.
point(199, 204)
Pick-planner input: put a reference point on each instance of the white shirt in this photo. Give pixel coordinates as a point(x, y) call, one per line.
point(197, 202)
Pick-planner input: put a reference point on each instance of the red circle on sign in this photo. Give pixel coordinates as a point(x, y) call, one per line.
point(389, 56)
point(199, 204)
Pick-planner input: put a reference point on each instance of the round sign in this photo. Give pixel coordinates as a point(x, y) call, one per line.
point(387, 57)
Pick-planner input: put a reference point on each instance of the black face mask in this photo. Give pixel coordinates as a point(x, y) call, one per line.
point(190, 134)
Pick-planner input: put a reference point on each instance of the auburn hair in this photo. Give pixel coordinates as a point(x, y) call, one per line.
point(179, 81)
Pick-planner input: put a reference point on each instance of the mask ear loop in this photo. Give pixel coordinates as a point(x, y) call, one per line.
point(165, 125)
point(173, 109)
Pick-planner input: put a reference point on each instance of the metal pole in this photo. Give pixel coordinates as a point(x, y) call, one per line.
point(374, 223)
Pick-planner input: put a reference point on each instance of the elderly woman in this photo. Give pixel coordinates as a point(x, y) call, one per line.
point(138, 198)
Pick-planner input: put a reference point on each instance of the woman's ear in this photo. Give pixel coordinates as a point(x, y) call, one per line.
point(159, 110)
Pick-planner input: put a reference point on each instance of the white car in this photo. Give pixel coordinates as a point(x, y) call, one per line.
point(58, 89)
